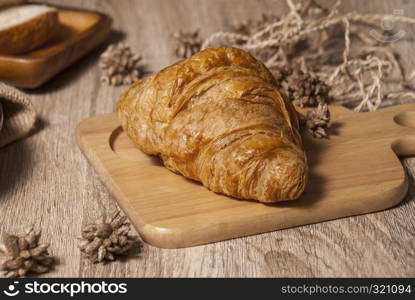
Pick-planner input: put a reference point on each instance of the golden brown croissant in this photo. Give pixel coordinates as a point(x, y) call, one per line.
point(217, 118)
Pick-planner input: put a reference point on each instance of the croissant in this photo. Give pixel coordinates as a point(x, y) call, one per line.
point(217, 118)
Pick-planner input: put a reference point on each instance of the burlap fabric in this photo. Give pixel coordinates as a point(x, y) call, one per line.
point(18, 114)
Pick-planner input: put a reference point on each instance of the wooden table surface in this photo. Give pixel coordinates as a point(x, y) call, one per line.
point(46, 181)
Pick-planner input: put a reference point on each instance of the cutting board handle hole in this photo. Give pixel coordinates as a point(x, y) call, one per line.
point(404, 146)
point(121, 144)
point(406, 119)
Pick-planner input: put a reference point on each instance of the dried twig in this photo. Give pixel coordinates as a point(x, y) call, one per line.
point(354, 78)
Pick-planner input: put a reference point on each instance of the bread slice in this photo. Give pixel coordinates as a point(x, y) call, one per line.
point(26, 27)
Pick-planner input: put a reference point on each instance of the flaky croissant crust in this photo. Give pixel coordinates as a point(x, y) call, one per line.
point(217, 118)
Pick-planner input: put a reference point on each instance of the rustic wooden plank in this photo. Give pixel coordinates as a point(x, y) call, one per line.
point(45, 180)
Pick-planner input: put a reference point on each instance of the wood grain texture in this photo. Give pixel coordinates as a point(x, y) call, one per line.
point(79, 33)
point(46, 181)
point(346, 179)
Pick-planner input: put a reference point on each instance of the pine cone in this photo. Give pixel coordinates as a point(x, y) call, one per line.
point(249, 27)
point(245, 27)
point(317, 121)
point(119, 65)
point(187, 43)
point(305, 90)
point(281, 76)
point(300, 88)
point(107, 239)
point(26, 255)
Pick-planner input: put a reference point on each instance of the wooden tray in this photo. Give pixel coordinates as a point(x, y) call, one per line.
point(356, 171)
point(81, 31)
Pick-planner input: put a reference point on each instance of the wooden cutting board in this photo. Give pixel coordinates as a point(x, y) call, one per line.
point(80, 32)
point(354, 172)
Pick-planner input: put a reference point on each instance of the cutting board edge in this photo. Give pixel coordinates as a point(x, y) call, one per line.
point(173, 238)
point(103, 174)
